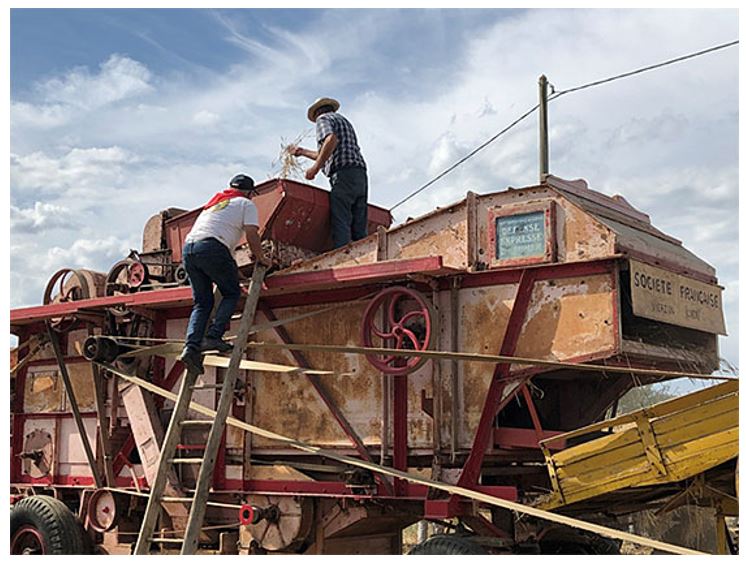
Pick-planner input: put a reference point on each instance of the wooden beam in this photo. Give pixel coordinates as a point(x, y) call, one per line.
point(54, 340)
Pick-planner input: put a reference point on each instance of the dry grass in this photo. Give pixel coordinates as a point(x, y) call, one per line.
point(287, 165)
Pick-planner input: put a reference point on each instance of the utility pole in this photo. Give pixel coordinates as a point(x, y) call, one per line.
point(543, 130)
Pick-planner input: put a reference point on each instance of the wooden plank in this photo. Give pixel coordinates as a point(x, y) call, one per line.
point(612, 444)
point(173, 350)
point(490, 358)
point(692, 431)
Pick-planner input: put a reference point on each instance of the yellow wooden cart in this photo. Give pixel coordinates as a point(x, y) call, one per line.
point(671, 442)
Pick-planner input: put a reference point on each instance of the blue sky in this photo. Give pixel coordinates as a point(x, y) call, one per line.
point(117, 114)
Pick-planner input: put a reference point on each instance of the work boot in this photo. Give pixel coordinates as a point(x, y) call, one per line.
point(192, 359)
point(213, 344)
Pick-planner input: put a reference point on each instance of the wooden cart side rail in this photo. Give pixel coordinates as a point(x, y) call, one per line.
point(448, 488)
point(658, 410)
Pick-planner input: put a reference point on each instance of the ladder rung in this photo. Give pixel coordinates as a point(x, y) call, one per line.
point(195, 422)
point(176, 499)
point(186, 460)
point(207, 387)
point(190, 447)
point(166, 540)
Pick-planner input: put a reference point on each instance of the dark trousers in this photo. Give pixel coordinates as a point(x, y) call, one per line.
point(209, 261)
point(349, 205)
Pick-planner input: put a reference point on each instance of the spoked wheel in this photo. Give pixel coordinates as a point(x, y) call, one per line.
point(397, 318)
point(286, 524)
point(125, 277)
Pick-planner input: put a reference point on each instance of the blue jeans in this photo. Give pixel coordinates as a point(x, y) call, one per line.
point(349, 205)
point(209, 261)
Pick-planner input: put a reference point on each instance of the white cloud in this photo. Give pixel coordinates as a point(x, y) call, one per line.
point(87, 253)
point(80, 172)
point(45, 116)
point(64, 97)
point(119, 77)
point(204, 117)
point(42, 217)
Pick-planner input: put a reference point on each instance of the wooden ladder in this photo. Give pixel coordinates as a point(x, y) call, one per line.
point(173, 437)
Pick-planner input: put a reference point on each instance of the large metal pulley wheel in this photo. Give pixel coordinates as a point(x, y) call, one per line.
point(397, 318)
point(105, 509)
point(126, 276)
point(286, 524)
point(68, 285)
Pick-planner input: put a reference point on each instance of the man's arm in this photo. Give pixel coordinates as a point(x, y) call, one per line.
point(327, 148)
point(255, 244)
point(303, 152)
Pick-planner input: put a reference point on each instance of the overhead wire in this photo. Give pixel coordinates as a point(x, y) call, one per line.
point(559, 93)
point(467, 157)
point(554, 96)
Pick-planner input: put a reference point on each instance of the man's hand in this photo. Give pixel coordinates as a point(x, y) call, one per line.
point(312, 172)
point(263, 260)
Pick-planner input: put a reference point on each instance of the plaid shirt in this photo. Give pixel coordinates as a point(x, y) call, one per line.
point(346, 153)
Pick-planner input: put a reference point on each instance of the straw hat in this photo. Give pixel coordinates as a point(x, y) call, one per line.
point(318, 104)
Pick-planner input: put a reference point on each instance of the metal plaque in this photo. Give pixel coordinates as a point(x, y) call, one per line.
point(664, 296)
point(521, 235)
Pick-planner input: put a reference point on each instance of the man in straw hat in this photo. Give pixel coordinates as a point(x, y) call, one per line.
point(339, 156)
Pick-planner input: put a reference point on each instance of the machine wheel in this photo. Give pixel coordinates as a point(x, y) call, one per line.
point(286, 524)
point(181, 276)
point(44, 525)
point(447, 545)
point(579, 543)
point(398, 318)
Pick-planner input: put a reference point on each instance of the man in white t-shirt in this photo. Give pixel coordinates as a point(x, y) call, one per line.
point(208, 257)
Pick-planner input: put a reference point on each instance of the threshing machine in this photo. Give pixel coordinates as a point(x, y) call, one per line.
point(393, 351)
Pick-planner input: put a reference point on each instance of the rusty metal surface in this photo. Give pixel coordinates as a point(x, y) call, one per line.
point(81, 376)
point(43, 391)
point(566, 319)
point(443, 234)
point(356, 390)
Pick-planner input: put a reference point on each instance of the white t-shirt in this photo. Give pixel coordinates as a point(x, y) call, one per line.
point(224, 221)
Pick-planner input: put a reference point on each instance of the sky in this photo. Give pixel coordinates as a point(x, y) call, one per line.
point(117, 114)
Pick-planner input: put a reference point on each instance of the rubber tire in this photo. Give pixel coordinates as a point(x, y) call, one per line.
point(447, 545)
point(582, 543)
point(60, 529)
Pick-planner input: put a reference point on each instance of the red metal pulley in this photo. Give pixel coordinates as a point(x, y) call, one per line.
point(137, 274)
point(397, 318)
point(246, 514)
